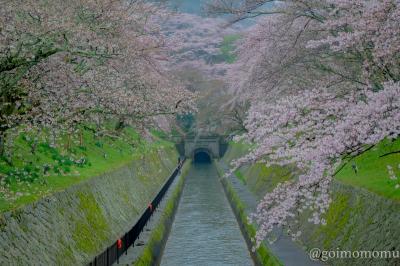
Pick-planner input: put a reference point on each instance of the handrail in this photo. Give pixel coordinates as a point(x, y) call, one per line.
point(121, 246)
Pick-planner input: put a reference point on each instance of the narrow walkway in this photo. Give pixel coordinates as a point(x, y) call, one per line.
point(136, 250)
point(288, 252)
point(205, 230)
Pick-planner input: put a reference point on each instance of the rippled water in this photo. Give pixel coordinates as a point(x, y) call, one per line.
point(205, 231)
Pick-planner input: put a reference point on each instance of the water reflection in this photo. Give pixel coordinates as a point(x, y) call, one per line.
point(205, 231)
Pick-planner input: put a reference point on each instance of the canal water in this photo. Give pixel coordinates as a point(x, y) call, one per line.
point(205, 230)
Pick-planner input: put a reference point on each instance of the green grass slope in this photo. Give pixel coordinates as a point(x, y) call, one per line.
point(258, 177)
point(372, 173)
point(39, 169)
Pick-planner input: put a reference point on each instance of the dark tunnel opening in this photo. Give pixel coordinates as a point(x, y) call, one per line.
point(202, 157)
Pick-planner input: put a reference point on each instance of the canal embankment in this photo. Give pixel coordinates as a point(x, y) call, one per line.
point(73, 226)
point(262, 255)
point(357, 219)
point(148, 249)
point(205, 230)
point(283, 251)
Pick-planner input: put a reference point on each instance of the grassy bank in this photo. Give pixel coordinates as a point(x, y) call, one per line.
point(372, 173)
point(364, 208)
point(78, 223)
point(36, 168)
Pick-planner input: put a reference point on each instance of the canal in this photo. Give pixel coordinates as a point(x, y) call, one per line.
point(205, 230)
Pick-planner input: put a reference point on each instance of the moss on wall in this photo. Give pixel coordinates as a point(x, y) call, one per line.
point(72, 226)
point(337, 217)
point(357, 219)
point(90, 225)
point(259, 178)
point(262, 256)
point(153, 250)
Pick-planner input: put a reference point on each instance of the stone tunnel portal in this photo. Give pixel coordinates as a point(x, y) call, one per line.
point(202, 147)
point(201, 156)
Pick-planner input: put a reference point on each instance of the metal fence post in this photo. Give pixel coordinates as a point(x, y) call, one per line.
point(134, 233)
point(126, 244)
point(108, 259)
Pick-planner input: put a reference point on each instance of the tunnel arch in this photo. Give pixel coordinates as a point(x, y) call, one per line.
point(193, 143)
point(202, 155)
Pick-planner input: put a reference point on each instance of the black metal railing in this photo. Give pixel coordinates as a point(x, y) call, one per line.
point(121, 246)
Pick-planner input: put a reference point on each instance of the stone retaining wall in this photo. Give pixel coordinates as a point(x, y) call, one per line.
point(152, 252)
point(357, 220)
point(72, 226)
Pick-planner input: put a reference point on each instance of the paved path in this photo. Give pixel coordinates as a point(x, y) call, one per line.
point(288, 252)
point(136, 250)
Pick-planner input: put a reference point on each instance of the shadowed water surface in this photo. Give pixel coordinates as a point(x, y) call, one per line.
point(205, 231)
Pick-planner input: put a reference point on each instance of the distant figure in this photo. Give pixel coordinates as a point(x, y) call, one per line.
point(355, 168)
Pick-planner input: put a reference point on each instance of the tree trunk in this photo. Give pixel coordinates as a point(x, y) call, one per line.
point(81, 137)
point(2, 142)
point(54, 138)
point(120, 124)
point(67, 144)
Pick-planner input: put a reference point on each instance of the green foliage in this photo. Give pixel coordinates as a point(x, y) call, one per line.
point(228, 48)
point(49, 168)
point(28, 173)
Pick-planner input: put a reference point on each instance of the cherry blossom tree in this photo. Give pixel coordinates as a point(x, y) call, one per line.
point(195, 43)
point(368, 30)
point(65, 62)
point(318, 131)
point(322, 78)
